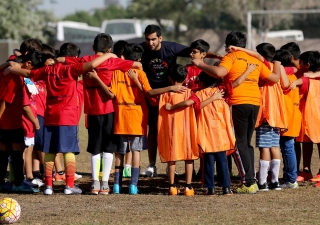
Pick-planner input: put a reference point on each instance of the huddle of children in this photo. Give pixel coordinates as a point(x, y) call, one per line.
point(194, 121)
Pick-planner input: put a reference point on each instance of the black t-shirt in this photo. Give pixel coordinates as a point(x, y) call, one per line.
point(156, 64)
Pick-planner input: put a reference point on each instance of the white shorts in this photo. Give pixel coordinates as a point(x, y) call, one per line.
point(28, 141)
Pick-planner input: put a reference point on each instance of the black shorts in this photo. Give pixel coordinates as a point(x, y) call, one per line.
point(12, 136)
point(153, 114)
point(100, 134)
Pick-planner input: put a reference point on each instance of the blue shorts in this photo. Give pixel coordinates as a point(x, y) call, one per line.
point(267, 137)
point(61, 139)
point(38, 139)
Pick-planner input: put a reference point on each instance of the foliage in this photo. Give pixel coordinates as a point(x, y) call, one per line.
point(21, 20)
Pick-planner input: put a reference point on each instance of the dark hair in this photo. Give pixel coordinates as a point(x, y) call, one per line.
point(69, 49)
point(311, 57)
point(150, 29)
point(30, 44)
point(48, 52)
point(34, 56)
point(118, 47)
point(102, 42)
point(201, 45)
point(236, 38)
point(267, 50)
point(283, 56)
point(178, 73)
point(207, 80)
point(132, 51)
point(293, 48)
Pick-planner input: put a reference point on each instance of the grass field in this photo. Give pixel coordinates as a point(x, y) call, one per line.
point(154, 206)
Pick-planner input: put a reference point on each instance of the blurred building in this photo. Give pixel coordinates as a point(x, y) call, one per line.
point(123, 3)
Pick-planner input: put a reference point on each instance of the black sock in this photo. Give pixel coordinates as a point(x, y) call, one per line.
point(189, 186)
point(17, 166)
point(41, 169)
point(172, 185)
point(3, 165)
point(37, 174)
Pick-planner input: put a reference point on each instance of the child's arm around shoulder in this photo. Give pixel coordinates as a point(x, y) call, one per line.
point(251, 67)
point(255, 54)
point(93, 75)
point(89, 66)
point(218, 94)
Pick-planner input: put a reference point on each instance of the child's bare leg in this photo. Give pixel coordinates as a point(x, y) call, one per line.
point(128, 158)
point(58, 163)
point(264, 165)
point(189, 171)
point(28, 161)
point(307, 149)
point(171, 172)
point(275, 163)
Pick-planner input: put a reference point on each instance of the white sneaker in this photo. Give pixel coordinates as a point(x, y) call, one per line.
point(290, 185)
point(77, 176)
point(38, 182)
point(48, 190)
point(72, 191)
point(151, 171)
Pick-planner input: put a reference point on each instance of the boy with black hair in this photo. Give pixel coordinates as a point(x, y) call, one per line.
point(309, 134)
point(293, 115)
point(130, 105)
point(245, 99)
point(118, 48)
point(99, 108)
point(294, 50)
point(159, 56)
point(69, 49)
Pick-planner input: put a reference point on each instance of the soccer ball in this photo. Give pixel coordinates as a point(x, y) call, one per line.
point(9, 210)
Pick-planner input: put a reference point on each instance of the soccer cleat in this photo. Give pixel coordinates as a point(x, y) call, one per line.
point(133, 189)
point(188, 192)
point(151, 171)
point(35, 182)
point(243, 189)
point(59, 177)
point(48, 190)
point(174, 191)
point(116, 189)
point(290, 185)
point(210, 191)
point(24, 188)
point(126, 172)
point(304, 176)
point(227, 191)
point(317, 185)
point(104, 191)
point(72, 191)
point(274, 186)
point(316, 178)
point(263, 187)
point(77, 176)
point(255, 186)
point(95, 187)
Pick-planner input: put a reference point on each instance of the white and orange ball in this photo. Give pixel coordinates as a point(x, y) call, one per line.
point(9, 211)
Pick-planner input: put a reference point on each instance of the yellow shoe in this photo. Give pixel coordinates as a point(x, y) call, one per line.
point(174, 191)
point(188, 192)
point(247, 190)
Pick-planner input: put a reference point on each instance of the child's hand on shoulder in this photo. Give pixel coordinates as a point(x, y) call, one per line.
point(293, 85)
point(92, 75)
point(196, 62)
point(251, 67)
point(218, 94)
point(178, 88)
point(168, 106)
point(232, 48)
point(133, 74)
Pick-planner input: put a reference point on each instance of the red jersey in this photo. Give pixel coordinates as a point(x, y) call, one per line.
point(80, 98)
point(61, 84)
point(41, 97)
point(96, 101)
point(192, 80)
point(11, 91)
point(27, 125)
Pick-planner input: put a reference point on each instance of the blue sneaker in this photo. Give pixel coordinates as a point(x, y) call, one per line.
point(116, 189)
point(6, 187)
point(24, 188)
point(133, 189)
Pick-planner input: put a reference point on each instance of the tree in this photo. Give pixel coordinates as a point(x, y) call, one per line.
point(21, 20)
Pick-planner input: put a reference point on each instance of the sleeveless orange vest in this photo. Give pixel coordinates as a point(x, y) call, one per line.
point(177, 130)
point(215, 132)
point(310, 109)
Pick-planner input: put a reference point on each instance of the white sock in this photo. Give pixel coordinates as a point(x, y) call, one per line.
point(263, 171)
point(275, 169)
point(107, 159)
point(95, 166)
point(127, 166)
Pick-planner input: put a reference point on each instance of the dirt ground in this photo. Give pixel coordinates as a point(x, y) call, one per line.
point(154, 206)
